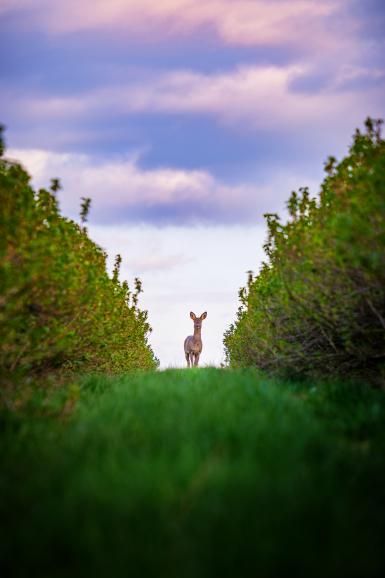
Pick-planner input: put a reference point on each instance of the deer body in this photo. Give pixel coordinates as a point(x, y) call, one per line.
point(193, 343)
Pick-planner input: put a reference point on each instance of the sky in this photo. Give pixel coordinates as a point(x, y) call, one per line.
point(185, 122)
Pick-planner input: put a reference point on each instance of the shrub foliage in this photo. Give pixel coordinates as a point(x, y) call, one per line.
point(317, 305)
point(59, 309)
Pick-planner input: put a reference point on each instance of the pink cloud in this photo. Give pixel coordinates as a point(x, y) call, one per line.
point(249, 97)
point(120, 186)
point(245, 22)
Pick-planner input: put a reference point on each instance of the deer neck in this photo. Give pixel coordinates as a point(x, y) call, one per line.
point(197, 334)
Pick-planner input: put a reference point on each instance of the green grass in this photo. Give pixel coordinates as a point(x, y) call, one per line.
point(196, 473)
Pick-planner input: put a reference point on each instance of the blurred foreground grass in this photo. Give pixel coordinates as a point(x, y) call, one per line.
point(196, 473)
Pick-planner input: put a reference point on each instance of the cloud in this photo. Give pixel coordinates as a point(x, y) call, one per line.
point(142, 247)
point(252, 97)
point(259, 96)
point(244, 22)
point(353, 79)
point(331, 88)
point(124, 192)
point(157, 262)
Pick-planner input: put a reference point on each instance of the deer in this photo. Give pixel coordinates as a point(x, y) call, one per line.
point(193, 343)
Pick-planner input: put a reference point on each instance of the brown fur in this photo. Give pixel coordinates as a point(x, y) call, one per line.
point(193, 343)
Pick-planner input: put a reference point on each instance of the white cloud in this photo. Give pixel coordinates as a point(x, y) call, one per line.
point(123, 191)
point(250, 97)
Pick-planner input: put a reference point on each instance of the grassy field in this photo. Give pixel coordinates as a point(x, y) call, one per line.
point(195, 473)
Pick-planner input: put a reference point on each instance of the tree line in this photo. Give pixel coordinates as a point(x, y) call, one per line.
point(317, 306)
point(60, 311)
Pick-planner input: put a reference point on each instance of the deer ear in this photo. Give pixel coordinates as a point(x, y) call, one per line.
point(192, 315)
point(204, 315)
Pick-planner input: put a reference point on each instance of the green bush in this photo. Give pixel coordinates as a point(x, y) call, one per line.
point(59, 309)
point(318, 304)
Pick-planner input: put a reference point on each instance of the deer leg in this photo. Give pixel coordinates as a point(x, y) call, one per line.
point(187, 359)
point(196, 359)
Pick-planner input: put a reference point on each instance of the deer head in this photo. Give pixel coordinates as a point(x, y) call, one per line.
point(198, 320)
